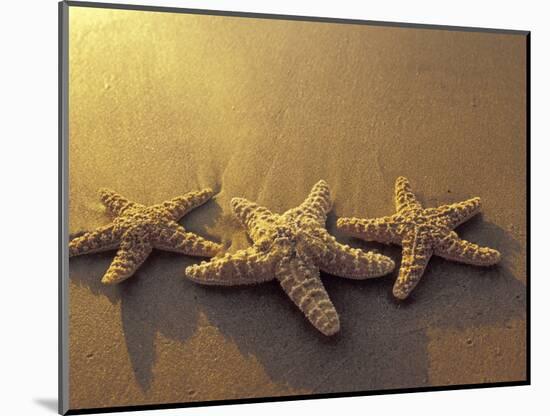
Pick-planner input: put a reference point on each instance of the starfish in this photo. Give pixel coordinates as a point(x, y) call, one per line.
point(422, 232)
point(137, 229)
point(291, 248)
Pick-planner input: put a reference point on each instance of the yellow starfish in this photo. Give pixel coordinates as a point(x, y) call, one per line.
point(137, 229)
point(291, 248)
point(422, 232)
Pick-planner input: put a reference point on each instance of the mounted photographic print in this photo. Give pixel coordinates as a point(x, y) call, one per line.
point(264, 207)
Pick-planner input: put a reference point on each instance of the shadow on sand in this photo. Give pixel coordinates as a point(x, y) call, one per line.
point(382, 343)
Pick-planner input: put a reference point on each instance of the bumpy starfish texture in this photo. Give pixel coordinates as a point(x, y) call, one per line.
point(291, 248)
point(137, 229)
point(422, 232)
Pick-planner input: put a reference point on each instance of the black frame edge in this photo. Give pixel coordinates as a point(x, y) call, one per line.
point(165, 406)
point(528, 200)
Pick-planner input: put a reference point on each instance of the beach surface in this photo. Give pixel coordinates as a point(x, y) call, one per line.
point(162, 104)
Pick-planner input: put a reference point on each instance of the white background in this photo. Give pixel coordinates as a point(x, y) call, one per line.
point(28, 218)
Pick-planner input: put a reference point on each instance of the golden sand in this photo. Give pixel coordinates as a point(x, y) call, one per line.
point(161, 104)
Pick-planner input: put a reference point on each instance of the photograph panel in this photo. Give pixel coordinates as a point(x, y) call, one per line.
point(269, 208)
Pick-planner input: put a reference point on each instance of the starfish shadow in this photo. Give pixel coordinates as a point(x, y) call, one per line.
point(382, 343)
point(154, 302)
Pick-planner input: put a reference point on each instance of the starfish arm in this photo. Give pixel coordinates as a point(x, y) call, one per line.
point(456, 249)
point(240, 268)
point(405, 200)
point(131, 254)
point(181, 205)
point(302, 284)
point(455, 214)
point(316, 206)
point(383, 230)
point(345, 261)
point(416, 254)
point(251, 216)
point(102, 239)
point(116, 204)
point(174, 238)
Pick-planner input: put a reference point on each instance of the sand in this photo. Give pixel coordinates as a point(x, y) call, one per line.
point(161, 104)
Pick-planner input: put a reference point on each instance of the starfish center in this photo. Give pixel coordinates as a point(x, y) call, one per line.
point(285, 232)
point(140, 219)
point(424, 223)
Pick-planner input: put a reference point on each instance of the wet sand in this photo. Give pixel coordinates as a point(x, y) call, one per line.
point(161, 104)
